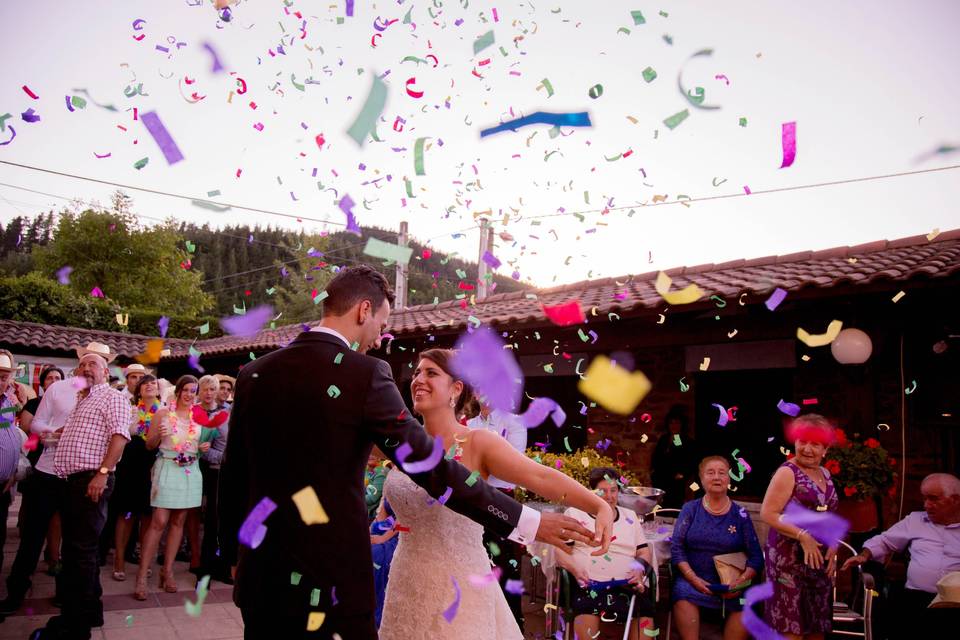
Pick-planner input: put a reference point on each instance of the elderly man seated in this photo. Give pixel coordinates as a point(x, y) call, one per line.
point(933, 539)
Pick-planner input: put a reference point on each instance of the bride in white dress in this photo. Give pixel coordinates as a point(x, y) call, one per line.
point(440, 557)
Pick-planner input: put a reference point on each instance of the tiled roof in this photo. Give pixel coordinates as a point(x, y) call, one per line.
point(895, 261)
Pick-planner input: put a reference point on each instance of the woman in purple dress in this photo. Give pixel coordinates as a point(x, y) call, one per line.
point(801, 571)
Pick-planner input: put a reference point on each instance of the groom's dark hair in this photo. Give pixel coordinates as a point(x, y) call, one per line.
point(354, 284)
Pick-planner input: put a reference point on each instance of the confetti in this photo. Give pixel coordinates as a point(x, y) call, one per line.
point(163, 324)
point(788, 408)
point(649, 75)
point(827, 528)
point(422, 466)
point(674, 121)
point(451, 611)
point(333, 391)
point(30, 116)
point(538, 411)
point(413, 93)
point(162, 137)
point(253, 531)
point(751, 621)
point(613, 387)
point(193, 609)
point(483, 42)
point(690, 293)
point(63, 274)
point(566, 314)
point(387, 251)
point(492, 370)
point(695, 97)
point(346, 205)
point(788, 139)
point(823, 339)
point(775, 298)
point(248, 324)
point(366, 121)
point(724, 417)
point(899, 296)
point(418, 157)
point(151, 354)
point(595, 91)
point(581, 119)
point(315, 620)
point(638, 18)
point(311, 511)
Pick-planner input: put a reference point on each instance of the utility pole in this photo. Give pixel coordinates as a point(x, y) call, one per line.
point(486, 244)
point(400, 302)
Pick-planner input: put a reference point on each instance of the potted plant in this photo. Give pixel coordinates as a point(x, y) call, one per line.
point(861, 472)
point(577, 465)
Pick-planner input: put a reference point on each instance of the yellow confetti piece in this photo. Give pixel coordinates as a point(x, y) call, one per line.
point(690, 293)
point(899, 296)
point(644, 438)
point(311, 511)
point(694, 486)
point(123, 319)
point(705, 364)
point(315, 620)
point(822, 339)
point(151, 355)
point(933, 234)
point(613, 387)
point(805, 358)
point(548, 606)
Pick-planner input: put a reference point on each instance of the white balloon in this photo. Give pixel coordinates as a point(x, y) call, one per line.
point(852, 346)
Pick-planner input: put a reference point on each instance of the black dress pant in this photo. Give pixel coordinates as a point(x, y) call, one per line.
point(263, 623)
point(42, 495)
point(5, 500)
point(210, 555)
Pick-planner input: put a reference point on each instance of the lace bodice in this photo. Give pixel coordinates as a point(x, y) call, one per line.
point(440, 546)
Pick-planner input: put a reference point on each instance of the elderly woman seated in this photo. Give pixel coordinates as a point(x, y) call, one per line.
point(605, 584)
point(713, 534)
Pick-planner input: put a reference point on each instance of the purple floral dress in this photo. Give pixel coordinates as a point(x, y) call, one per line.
point(802, 601)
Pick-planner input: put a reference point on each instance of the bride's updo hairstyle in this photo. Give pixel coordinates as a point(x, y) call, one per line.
point(443, 358)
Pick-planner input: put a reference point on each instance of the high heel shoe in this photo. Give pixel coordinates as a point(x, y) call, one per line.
point(140, 591)
point(167, 582)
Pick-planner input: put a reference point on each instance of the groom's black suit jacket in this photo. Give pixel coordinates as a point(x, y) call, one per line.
point(288, 429)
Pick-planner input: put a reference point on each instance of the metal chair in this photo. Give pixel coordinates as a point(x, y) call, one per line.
point(847, 615)
point(565, 608)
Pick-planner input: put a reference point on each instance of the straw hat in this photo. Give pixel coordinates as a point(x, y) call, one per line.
point(96, 348)
point(135, 368)
point(230, 379)
point(7, 363)
point(948, 591)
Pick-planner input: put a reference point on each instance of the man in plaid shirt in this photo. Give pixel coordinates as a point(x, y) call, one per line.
point(93, 439)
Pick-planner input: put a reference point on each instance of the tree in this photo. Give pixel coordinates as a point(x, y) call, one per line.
point(137, 268)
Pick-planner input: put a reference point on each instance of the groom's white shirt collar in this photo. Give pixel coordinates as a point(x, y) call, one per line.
point(332, 332)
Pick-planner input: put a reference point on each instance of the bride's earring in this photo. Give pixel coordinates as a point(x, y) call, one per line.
point(453, 402)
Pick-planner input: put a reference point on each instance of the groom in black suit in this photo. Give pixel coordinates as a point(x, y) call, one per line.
point(307, 416)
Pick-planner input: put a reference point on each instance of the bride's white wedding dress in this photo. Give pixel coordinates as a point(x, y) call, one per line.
point(440, 545)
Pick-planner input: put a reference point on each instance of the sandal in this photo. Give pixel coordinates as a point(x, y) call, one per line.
point(167, 583)
point(119, 576)
point(140, 592)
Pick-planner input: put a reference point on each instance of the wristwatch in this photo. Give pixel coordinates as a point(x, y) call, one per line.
point(104, 470)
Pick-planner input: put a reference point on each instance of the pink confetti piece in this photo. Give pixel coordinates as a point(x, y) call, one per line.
point(253, 531)
point(481, 581)
point(248, 324)
point(422, 466)
point(63, 274)
point(30, 93)
point(491, 370)
point(828, 528)
point(720, 76)
point(96, 292)
point(788, 408)
point(346, 205)
point(162, 137)
point(102, 156)
point(788, 139)
point(565, 314)
point(746, 189)
point(451, 611)
point(538, 411)
point(775, 298)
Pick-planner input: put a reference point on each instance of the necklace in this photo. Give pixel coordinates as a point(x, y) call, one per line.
point(145, 417)
point(716, 512)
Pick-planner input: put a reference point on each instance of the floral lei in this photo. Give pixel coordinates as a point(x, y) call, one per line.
point(145, 417)
point(193, 432)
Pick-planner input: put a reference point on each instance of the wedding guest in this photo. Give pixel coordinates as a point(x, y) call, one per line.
point(177, 484)
point(706, 528)
point(12, 400)
point(604, 585)
point(383, 542)
point(131, 498)
point(225, 396)
point(374, 476)
point(133, 373)
point(800, 570)
point(674, 459)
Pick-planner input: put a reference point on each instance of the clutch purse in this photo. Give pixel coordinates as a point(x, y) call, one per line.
point(729, 566)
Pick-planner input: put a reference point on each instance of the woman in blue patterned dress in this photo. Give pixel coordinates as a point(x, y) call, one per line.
point(800, 569)
point(711, 526)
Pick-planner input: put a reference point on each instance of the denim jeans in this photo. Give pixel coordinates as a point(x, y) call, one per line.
point(41, 499)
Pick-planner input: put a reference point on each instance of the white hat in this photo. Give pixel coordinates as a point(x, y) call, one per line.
point(135, 368)
point(96, 348)
point(948, 591)
point(7, 363)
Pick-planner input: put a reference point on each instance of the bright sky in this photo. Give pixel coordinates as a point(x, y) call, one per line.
point(869, 84)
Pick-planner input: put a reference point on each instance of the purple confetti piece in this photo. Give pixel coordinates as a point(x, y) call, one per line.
point(63, 275)
point(30, 116)
point(514, 586)
point(428, 463)
point(193, 361)
point(538, 411)
point(775, 298)
point(163, 323)
point(160, 47)
point(253, 531)
point(491, 260)
point(13, 134)
point(724, 418)
point(491, 370)
point(346, 205)
point(349, 8)
point(751, 621)
point(249, 323)
point(215, 59)
point(827, 528)
point(594, 336)
point(451, 611)
point(69, 106)
point(162, 137)
point(788, 408)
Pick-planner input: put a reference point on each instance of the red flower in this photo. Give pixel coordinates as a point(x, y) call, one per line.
point(832, 466)
point(849, 491)
point(892, 492)
point(872, 443)
point(892, 461)
point(840, 437)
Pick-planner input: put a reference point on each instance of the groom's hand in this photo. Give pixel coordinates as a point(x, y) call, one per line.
point(558, 529)
point(604, 530)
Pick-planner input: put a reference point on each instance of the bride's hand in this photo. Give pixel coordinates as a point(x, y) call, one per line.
point(603, 529)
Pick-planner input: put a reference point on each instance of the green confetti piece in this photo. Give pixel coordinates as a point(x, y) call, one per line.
point(494, 549)
point(240, 311)
point(546, 84)
point(472, 480)
point(78, 102)
point(140, 164)
point(595, 91)
point(668, 39)
point(355, 346)
point(684, 387)
point(697, 96)
point(483, 42)
point(295, 578)
point(293, 81)
point(320, 297)
point(3, 121)
point(333, 391)
point(504, 52)
point(566, 443)
point(129, 620)
point(190, 246)
point(649, 75)
point(366, 121)
point(436, 300)
point(638, 17)
point(387, 251)
point(674, 121)
point(213, 193)
point(194, 609)
point(409, 185)
point(623, 30)
point(338, 359)
point(548, 368)
point(584, 337)
point(676, 440)
point(314, 597)
point(475, 321)
point(743, 122)
point(651, 633)
point(418, 157)
point(664, 14)
point(195, 352)
point(205, 328)
point(271, 291)
point(252, 355)
point(534, 560)
point(461, 274)
point(451, 452)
